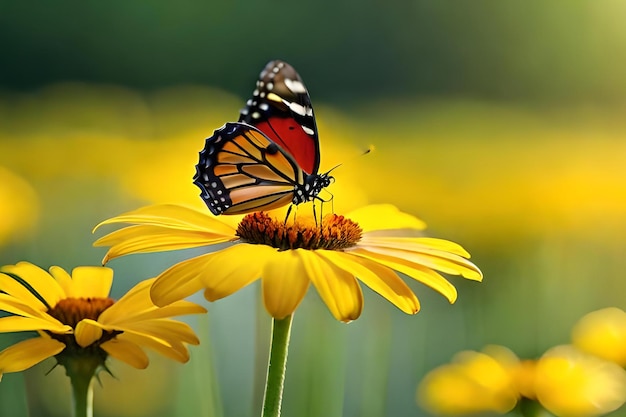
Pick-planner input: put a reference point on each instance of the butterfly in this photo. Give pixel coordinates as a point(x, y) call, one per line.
point(271, 156)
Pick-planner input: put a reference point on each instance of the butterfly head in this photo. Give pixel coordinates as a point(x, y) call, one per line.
point(311, 187)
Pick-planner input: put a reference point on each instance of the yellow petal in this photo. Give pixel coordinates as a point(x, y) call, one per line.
point(63, 278)
point(92, 281)
point(20, 307)
point(87, 331)
point(126, 328)
point(127, 352)
point(175, 350)
point(602, 333)
point(179, 281)
point(178, 308)
point(173, 216)
point(572, 383)
point(417, 244)
point(474, 383)
point(434, 259)
point(378, 277)
point(149, 238)
point(384, 217)
point(24, 310)
point(338, 288)
point(418, 272)
point(221, 273)
point(285, 281)
point(135, 301)
point(164, 329)
point(40, 281)
point(136, 305)
point(233, 268)
point(23, 324)
point(16, 290)
point(28, 353)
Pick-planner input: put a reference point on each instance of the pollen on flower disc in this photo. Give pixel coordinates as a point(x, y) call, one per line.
point(334, 233)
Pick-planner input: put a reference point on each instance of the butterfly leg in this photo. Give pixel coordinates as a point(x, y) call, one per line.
point(288, 213)
point(331, 200)
point(315, 215)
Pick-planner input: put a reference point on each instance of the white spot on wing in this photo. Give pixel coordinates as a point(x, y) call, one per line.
point(298, 109)
point(295, 86)
point(308, 130)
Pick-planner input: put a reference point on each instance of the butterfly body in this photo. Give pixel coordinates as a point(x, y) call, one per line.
point(270, 158)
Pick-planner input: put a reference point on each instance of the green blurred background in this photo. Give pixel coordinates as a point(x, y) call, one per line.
point(499, 123)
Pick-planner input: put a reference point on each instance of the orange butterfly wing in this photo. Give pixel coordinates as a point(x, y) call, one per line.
point(242, 170)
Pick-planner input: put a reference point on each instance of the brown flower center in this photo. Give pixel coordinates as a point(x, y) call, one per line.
point(75, 358)
point(334, 233)
point(72, 310)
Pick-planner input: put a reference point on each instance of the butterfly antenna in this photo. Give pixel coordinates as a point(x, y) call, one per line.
point(370, 149)
point(333, 168)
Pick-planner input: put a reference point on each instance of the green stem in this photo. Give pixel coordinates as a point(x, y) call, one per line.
point(281, 330)
point(530, 408)
point(81, 374)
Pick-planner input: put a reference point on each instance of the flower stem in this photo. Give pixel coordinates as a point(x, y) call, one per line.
point(81, 373)
point(276, 367)
point(530, 408)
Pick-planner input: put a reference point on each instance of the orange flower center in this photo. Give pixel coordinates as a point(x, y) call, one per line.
point(72, 310)
point(334, 233)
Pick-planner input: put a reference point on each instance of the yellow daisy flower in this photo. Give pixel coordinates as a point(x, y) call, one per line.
point(473, 383)
point(75, 318)
point(602, 333)
point(370, 244)
point(572, 383)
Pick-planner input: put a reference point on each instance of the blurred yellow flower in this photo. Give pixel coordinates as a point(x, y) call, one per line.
point(565, 381)
point(524, 376)
point(602, 333)
point(369, 244)
point(474, 382)
point(75, 318)
point(575, 384)
point(19, 208)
